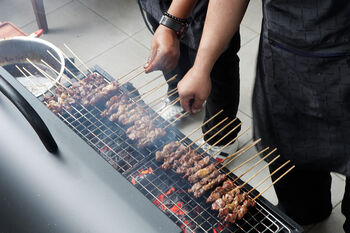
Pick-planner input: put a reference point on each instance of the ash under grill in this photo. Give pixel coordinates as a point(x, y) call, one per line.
point(166, 189)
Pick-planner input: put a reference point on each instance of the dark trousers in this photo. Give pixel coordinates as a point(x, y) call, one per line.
point(305, 195)
point(225, 86)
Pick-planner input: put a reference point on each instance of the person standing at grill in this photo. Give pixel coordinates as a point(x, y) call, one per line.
point(173, 51)
point(301, 93)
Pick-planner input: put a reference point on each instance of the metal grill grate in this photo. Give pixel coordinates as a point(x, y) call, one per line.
point(166, 189)
point(169, 193)
point(109, 138)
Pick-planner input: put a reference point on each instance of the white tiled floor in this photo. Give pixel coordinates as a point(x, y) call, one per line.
point(112, 34)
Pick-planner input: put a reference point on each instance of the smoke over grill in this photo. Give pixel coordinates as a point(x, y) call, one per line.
point(78, 102)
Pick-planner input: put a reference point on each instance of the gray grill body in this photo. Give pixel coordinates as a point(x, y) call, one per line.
point(187, 212)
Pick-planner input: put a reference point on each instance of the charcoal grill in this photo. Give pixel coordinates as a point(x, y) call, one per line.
point(165, 189)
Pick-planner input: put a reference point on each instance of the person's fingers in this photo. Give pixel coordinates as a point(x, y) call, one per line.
point(149, 65)
point(186, 103)
point(197, 105)
point(156, 63)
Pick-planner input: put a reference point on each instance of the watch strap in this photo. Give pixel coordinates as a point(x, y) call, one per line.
point(178, 27)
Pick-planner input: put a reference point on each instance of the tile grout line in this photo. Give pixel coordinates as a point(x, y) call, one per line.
point(251, 117)
point(251, 28)
point(141, 44)
point(101, 16)
point(47, 13)
point(254, 37)
point(107, 49)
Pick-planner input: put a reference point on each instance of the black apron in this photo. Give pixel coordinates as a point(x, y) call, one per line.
point(301, 101)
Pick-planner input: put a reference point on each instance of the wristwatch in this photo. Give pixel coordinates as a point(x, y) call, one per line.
point(175, 25)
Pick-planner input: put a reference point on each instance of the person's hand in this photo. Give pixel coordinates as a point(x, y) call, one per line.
point(194, 89)
point(165, 50)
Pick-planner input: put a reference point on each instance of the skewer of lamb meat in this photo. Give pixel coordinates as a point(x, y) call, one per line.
point(167, 150)
point(225, 199)
point(201, 172)
point(173, 156)
point(203, 181)
point(221, 190)
point(186, 161)
point(151, 136)
point(212, 184)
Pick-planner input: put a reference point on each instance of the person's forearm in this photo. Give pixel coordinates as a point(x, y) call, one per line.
point(222, 22)
point(181, 8)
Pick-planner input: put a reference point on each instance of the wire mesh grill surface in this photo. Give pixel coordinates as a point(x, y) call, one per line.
point(169, 193)
point(166, 189)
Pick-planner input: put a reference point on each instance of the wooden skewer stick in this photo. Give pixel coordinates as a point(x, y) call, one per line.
point(81, 61)
point(243, 149)
point(69, 71)
point(132, 77)
point(71, 62)
point(211, 129)
point(130, 72)
point(144, 84)
point(254, 165)
point(267, 177)
point(123, 76)
point(211, 146)
point(228, 124)
point(66, 110)
point(183, 115)
point(162, 110)
point(274, 182)
point(55, 83)
point(44, 62)
point(87, 68)
point(251, 158)
point(230, 142)
point(83, 72)
point(156, 115)
point(257, 173)
point(30, 80)
point(147, 93)
point(64, 55)
point(67, 68)
point(32, 75)
point(46, 75)
point(160, 99)
point(56, 71)
point(207, 121)
point(239, 153)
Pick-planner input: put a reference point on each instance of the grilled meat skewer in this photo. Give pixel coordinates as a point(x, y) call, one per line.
point(201, 172)
point(215, 182)
point(227, 198)
point(175, 155)
point(186, 162)
point(203, 182)
point(167, 150)
point(221, 190)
